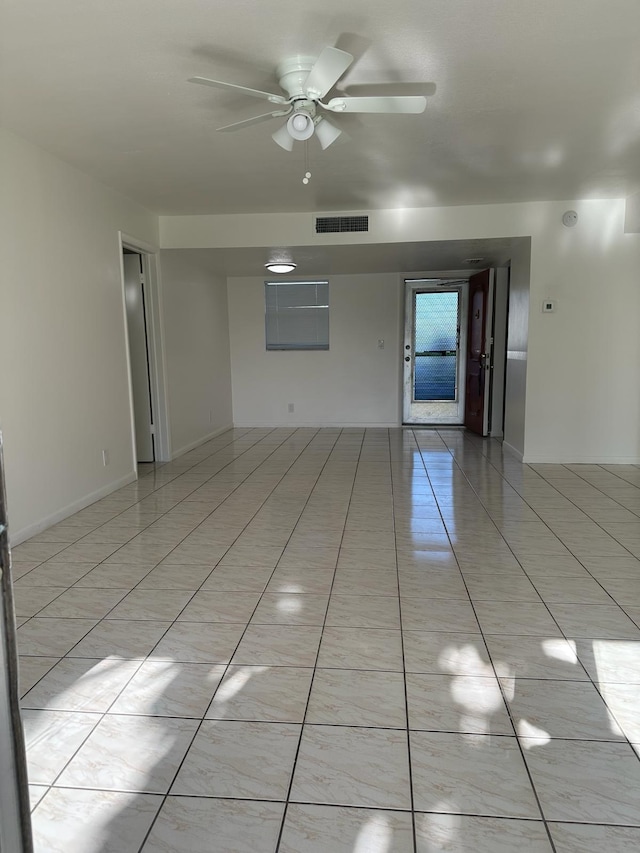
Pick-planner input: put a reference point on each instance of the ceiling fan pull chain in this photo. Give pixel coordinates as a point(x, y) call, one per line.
point(307, 173)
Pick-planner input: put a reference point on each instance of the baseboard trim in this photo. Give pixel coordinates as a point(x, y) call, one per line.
point(541, 459)
point(200, 441)
point(512, 450)
point(314, 425)
point(19, 536)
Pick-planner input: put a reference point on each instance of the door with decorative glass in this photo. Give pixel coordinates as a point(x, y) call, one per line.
point(434, 352)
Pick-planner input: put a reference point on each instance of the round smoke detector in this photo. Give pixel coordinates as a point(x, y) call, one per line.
point(569, 218)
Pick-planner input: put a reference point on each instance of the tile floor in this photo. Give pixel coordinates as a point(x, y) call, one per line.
point(343, 641)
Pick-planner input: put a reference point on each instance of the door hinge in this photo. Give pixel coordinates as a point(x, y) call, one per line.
point(153, 429)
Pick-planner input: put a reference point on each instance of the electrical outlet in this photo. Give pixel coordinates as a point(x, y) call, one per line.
point(105, 458)
point(291, 408)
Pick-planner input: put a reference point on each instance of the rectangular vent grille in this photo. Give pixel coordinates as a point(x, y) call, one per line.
point(340, 224)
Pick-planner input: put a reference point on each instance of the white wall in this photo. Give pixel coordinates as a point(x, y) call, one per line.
point(517, 349)
point(64, 388)
point(196, 333)
point(583, 393)
point(353, 383)
point(581, 401)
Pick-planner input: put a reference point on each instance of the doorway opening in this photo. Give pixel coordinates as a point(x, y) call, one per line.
point(137, 330)
point(149, 421)
point(434, 351)
point(455, 352)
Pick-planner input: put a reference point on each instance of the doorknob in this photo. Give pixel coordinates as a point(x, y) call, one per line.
point(407, 358)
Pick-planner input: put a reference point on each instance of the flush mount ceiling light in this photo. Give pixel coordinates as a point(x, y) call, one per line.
point(280, 267)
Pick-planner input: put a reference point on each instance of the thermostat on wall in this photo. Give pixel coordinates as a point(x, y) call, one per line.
point(548, 305)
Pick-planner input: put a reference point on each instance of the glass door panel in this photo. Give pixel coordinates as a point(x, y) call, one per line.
point(434, 339)
point(436, 346)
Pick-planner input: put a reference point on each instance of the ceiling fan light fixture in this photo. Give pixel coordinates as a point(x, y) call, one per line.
point(300, 126)
point(326, 132)
point(283, 138)
point(280, 267)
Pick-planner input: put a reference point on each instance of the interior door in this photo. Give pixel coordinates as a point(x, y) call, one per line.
point(478, 378)
point(434, 352)
point(139, 356)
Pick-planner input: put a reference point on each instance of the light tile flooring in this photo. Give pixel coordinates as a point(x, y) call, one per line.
point(349, 641)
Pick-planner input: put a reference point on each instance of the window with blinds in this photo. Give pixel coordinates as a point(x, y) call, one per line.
point(297, 315)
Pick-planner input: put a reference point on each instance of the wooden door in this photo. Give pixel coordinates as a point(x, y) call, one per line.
point(478, 354)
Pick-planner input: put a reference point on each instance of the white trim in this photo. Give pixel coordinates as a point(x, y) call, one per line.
point(513, 451)
point(127, 351)
point(538, 459)
point(323, 425)
point(203, 440)
point(136, 245)
point(157, 357)
point(70, 509)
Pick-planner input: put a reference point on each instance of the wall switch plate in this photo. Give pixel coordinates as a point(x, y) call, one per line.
point(290, 408)
point(548, 306)
point(380, 343)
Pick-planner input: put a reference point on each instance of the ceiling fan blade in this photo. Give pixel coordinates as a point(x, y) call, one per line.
point(328, 69)
point(255, 93)
point(407, 104)
point(237, 125)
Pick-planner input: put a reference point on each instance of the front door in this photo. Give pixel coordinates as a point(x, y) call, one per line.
point(434, 343)
point(479, 343)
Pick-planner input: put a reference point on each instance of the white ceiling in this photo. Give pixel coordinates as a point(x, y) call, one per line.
point(527, 99)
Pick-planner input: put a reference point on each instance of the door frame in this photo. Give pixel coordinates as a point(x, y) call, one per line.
point(411, 286)
point(155, 343)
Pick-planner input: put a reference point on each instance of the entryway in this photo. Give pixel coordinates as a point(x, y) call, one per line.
point(434, 351)
point(455, 351)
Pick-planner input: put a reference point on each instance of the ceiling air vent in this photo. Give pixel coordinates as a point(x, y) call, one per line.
point(341, 224)
point(473, 261)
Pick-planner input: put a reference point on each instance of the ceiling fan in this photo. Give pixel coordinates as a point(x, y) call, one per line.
point(306, 80)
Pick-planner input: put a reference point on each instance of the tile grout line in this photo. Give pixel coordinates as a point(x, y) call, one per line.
point(404, 666)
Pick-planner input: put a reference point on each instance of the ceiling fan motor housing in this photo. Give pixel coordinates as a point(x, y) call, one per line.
point(292, 75)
